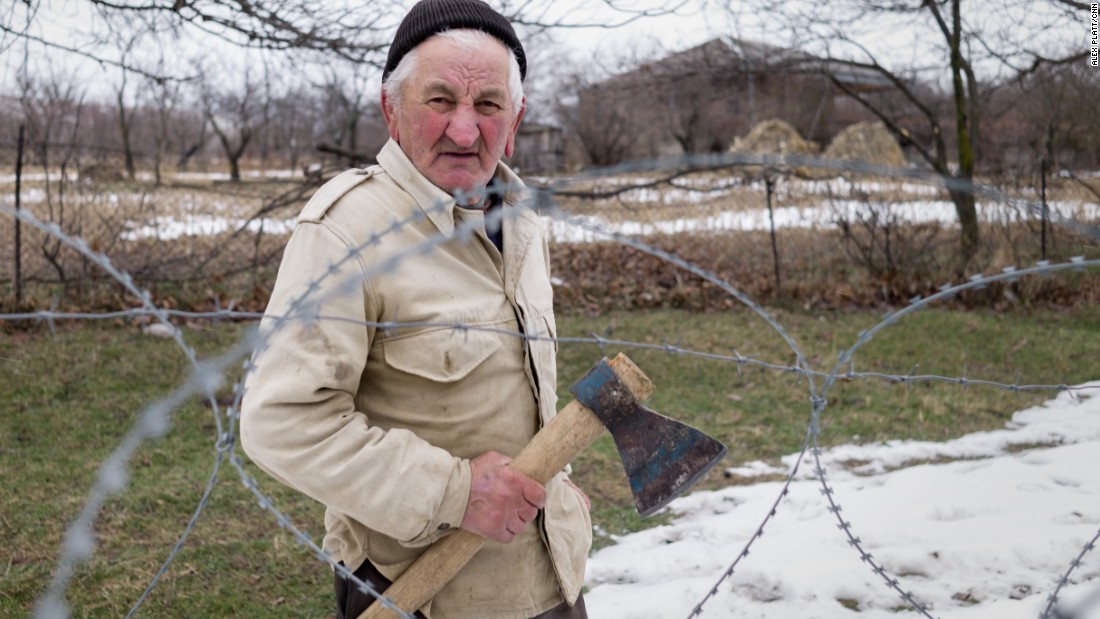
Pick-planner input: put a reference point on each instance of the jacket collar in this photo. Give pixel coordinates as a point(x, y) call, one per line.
point(437, 205)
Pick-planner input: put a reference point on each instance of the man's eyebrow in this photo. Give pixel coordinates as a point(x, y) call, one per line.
point(439, 86)
point(492, 92)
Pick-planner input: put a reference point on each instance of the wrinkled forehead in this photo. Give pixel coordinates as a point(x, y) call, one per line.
point(481, 62)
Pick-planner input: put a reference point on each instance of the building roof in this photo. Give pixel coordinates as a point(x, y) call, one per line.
point(725, 55)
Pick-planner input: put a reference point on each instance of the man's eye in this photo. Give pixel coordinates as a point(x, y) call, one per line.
point(489, 106)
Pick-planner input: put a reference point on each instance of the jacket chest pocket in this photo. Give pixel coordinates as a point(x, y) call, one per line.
point(441, 355)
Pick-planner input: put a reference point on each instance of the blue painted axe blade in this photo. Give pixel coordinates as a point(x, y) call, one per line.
point(662, 457)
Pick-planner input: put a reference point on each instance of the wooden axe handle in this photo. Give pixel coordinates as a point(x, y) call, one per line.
point(573, 429)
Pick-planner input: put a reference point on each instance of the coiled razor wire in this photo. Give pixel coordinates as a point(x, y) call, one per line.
point(206, 377)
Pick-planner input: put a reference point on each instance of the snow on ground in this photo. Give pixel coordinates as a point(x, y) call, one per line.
point(168, 228)
point(914, 203)
point(581, 230)
point(985, 536)
point(745, 220)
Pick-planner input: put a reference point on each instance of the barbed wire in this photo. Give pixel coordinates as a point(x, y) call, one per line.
point(604, 343)
point(207, 377)
point(916, 304)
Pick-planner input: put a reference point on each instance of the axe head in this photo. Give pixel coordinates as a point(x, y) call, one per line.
point(662, 457)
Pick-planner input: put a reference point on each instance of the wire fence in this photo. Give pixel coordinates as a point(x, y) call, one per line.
point(594, 219)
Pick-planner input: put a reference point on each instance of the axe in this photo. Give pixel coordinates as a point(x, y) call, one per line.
point(662, 458)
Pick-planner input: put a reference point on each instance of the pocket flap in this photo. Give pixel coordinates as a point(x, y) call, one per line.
point(442, 355)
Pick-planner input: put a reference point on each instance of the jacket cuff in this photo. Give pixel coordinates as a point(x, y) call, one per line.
point(453, 506)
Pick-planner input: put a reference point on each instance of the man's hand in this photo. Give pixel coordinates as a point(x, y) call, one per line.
point(502, 501)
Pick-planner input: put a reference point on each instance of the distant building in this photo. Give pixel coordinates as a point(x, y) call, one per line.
point(700, 99)
point(540, 149)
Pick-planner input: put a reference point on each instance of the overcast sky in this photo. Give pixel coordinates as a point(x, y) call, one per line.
point(897, 41)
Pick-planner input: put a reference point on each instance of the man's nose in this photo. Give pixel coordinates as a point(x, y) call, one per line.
point(463, 129)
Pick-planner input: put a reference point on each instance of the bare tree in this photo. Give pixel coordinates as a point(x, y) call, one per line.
point(234, 112)
point(359, 32)
point(125, 110)
point(354, 31)
point(52, 105)
point(1060, 108)
point(294, 116)
point(100, 31)
point(702, 96)
point(347, 98)
point(958, 45)
point(190, 136)
point(606, 133)
point(162, 99)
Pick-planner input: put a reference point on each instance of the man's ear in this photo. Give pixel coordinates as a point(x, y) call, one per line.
point(390, 116)
point(510, 146)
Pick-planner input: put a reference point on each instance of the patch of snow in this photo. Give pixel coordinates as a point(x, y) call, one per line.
point(984, 537)
point(168, 228)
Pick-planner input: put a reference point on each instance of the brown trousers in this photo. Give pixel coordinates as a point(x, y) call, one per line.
point(350, 601)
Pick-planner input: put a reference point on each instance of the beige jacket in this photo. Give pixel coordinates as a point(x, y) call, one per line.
point(366, 397)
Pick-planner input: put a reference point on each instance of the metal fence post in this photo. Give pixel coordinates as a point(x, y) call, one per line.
point(18, 227)
point(769, 187)
point(1045, 212)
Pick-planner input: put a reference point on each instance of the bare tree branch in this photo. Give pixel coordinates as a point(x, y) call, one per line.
point(1082, 6)
point(97, 58)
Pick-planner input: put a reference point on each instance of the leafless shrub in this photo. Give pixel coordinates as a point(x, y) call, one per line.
point(881, 239)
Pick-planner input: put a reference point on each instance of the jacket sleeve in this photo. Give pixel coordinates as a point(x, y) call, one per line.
point(299, 420)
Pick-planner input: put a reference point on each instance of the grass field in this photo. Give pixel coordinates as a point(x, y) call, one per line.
point(70, 396)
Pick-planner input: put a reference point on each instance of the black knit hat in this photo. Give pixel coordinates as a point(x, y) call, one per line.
point(430, 17)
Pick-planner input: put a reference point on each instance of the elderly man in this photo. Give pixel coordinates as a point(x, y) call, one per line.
point(365, 396)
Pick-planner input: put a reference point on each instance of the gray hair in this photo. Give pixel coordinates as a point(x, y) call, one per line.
point(468, 40)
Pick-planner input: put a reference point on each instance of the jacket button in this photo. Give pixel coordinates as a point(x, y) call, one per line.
point(444, 526)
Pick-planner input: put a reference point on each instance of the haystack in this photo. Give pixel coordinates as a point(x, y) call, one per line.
point(870, 142)
point(773, 137)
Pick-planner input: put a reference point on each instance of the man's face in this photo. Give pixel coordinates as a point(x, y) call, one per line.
point(456, 117)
